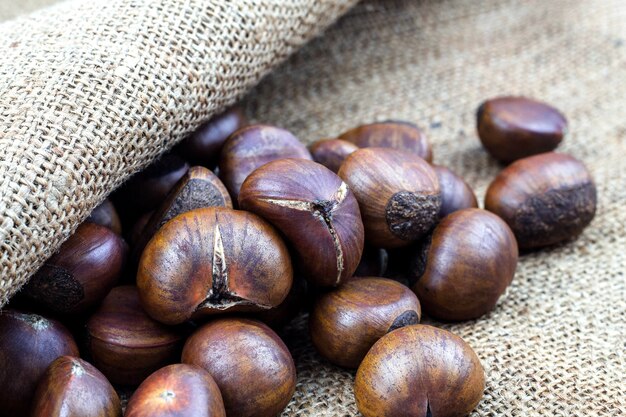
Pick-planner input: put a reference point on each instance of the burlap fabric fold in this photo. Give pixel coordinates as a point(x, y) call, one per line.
point(555, 345)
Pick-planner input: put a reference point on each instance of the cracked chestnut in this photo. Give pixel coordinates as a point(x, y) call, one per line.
point(465, 266)
point(545, 199)
point(511, 128)
point(126, 344)
point(74, 387)
point(213, 260)
point(251, 147)
point(331, 152)
point(398, 194)
point(249, 362)
point(178, 390)
point(106, 215)
point(419, 371)
point(347, 321)
point(29, 343)
point(315, 210)
point(400, 135)
point(456, 194)
point(81, 273)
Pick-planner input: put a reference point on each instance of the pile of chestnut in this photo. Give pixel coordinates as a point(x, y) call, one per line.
point(177, 286)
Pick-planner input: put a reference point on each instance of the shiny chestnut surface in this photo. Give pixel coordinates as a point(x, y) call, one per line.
point(419, 371)
point(456, 194)
point(545, 199)
point(249, 362)
point(331, 152)
point(106, 215)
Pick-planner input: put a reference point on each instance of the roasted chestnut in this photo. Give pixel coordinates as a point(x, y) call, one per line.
point(545, 199)
point(331, 152)
point(419, 371)
point(106, 215)
point(74, 387)
point(511, 128)
point(29, 343)
point(251, 365)
point(253, 146)
point(177, 391)
point(81, 273)
point(125, 343)
point(347, 321)
point(456, 194)
point(315, 210)
point(213, 260)
point(398, 194)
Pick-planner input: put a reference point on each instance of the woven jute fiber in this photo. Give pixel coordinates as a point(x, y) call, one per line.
point(555, 344)
point(92, 91)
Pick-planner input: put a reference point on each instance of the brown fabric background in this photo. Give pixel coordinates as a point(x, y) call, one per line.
point(555, 345)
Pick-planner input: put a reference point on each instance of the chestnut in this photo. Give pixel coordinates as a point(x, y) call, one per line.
point(395, 134)
point(511, 128)
point(125, 343)
point(81, 273)
point(74, 387)
point(464, 268)
point(136, 232)
point(178, 390)
point(106, 215)
point(419, 371)
point(213, 260)
point(203, 147)
point(29, 343)
point(374, 262)
point(347, 321)
point(250, 147)
point(249, 362)
point(545, 199)
point(279, 316)
point(398, 194)
point(315, 210)
point(331, 152)
point(456, 194)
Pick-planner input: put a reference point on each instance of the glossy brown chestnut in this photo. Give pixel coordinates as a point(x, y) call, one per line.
point(464, 268)
point(419, 371)
point(251, 365)
point(331, 152)
point(253, 146)
point(398, 194)
point(29, 343)
point(545, 199)
point(177, 391)
point(213, 260)
point(125, 343)
point(347, 321)
point(81, 273)
point(511, 128)
point(400, 135)
point(203, 147)
point(374, 262)
point(106, 215)
point(456, 194)
point(74, 387)
point(315, 210)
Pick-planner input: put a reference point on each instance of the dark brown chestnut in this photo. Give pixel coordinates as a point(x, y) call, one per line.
point(213, 260)
point(203, 147)
point(511, 128)
point(106, 215)
point(545, 199)
point(400, 135)
point(419, 371)
point(464, 268)
point(125, 343)
point(178, 390)
point(74, 387)
point(456, 194)
point(315, 210)
point(398, 194)
point(374, 262)
point(331, 152)
point(253, 146)
point(279, 316)
point(258, 383)
point(137, 230)
point(347, 321)
point(29, 343)
point(81, 273)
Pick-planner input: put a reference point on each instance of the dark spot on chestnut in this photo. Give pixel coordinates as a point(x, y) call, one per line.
point(405, 319)
point(409, 214)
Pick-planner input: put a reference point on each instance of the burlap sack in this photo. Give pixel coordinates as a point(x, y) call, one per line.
point(555, 344)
